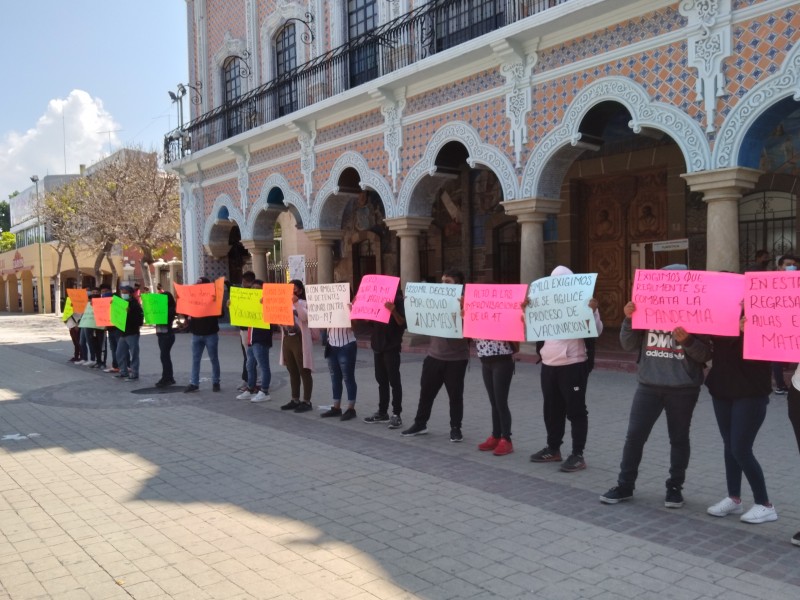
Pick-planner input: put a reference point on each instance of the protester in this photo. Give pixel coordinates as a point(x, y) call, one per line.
point(446, 364)
point(740, 392)
point(205, 336)
point(297, 352)
point(497, 364)
point(787, 262)
point(128, 344)
point(248, 277)
point(564, 376)
point(113, 334)
point(97, 337)
point(793, 405)
point(259, 341)
point(166, 339)
point(341, 350)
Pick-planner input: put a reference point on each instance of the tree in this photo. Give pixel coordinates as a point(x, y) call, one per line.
point(5, 213)
point(8, 241)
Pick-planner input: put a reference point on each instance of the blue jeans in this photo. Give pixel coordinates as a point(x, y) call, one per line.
point(342, 365)
point(113, 340)
point(128, 355)
point(648, 404)
point(87, 350)
point(739, 421)
point(210, 343)
point(258, 355)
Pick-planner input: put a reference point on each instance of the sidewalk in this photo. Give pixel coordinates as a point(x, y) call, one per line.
point(116, 490)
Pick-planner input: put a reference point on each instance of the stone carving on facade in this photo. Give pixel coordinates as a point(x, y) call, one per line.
point(306, 136)
point(516, 66)
point(392, 111)
point(243, 177)
point(542, 180)
point(784, 83)
point(709, 46)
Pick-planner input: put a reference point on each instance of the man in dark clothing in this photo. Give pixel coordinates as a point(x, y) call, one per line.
point(166, 339)
point(386, 342)
point(205, 335)
point(128, 344)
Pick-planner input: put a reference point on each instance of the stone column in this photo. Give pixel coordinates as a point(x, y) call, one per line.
point(258, 251)
point(408, 229)
point(722, 189)
point(323, 239)
point(531, 213)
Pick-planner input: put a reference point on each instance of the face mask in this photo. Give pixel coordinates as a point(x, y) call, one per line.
point(791, 267)
point(106, 294)
point(126, 296)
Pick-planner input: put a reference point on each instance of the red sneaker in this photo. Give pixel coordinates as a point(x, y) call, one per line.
point(503, 447)
point(490, 444)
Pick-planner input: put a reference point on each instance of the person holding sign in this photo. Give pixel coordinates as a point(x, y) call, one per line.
point(445, 365)
point(740, 392)
point(166, 339)
point(341, 349)
point(113, 335)
point(297, 352)
point(128, 344)
point(205, 336)
point(793, 406)
point(258, 341)
point(670, 375)
point(565, 373)
point(497, 364)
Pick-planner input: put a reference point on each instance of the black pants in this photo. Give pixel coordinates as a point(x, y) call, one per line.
point(497, 374)
point(165, 342)
point(793, 402)
point(435, 374)
point(387, 374)
point(96, 338)
point(564, 397)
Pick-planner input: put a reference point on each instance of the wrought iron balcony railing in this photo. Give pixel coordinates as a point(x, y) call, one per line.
point(412, 37)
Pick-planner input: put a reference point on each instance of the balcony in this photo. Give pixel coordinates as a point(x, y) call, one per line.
point(412, 37)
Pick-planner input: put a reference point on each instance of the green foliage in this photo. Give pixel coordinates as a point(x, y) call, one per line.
point(5, 214)
point(7, 241)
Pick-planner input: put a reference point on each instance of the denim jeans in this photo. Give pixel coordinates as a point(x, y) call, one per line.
point(387, 374)
point(258, 356)
point(342, 365)
point(739, 421)
point(497, 374)
point(128, 355)
point(165, 343)
point(435, 374)
point(113, 340)
point(210, 343)
point(87, 350)
point(648, 404)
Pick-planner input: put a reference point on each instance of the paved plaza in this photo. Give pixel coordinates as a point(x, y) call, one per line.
point(115, 490)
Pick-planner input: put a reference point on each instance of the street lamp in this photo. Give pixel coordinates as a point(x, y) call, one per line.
point(35, 180)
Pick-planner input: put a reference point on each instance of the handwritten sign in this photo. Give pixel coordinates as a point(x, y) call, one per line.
point(558, 308)
point(102, 311)
point(245, 308)
point(87, 320)
point(373, 292)
point(699, 301)
point(79, 299)
point(68, 310)
point(119, 312)
point(772, 313)
point(328, 304)
point(297, 267)
point(277, 305)
point(434, 309)
point(198, 300)
point(492, 312)
point(154, 307)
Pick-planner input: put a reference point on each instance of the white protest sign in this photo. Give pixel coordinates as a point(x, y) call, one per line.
point(558, 308)
point(434, 309)
point(297, 267)
point(327, 304)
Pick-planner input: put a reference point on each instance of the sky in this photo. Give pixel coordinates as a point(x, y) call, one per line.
point(83, 78)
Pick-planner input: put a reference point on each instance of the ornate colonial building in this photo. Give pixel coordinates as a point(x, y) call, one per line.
point(498, 136)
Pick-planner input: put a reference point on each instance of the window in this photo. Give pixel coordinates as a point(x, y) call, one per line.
point(362, 17)
point(286, 61)
point(232, 84)
point(458, 22)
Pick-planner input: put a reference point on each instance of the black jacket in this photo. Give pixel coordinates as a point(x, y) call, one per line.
point(135, 317)
point(731, 376)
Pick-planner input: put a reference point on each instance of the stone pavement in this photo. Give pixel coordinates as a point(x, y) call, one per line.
point(114, 490)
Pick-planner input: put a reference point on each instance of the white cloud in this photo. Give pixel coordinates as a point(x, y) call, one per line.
point(77, 124)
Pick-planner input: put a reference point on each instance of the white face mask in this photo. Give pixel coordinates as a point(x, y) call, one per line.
point(126, 296)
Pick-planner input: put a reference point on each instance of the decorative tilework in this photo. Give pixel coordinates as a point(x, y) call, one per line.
point(287, 148)
point(480, 82)
point(360, 123)
point(227, 168)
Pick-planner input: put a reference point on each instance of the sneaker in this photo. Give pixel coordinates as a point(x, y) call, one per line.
point(160, 383)
point(573, 463)
point(725, 507)
point(377, 418)
point(111, 370)
point(90, 364)
point(796, 539)
point(674, 497)
point(395, 422)
point(303, 407)
point(546, 454)
point(503, 447)
point(350, 413)
point(132, 378)
point(333, 411)
point(244, 395)
point(190, 388)
point(96, 366)
point(490, 444)
point(215, 387)
point(455, 434)
point(415, 430)
point(291, 405)
point(616, 494)
point(121, 376)
point(782, 391)
point(261, 397)
point(74, 359)
point(243, 388)
point(168, 382)
point(759, 514)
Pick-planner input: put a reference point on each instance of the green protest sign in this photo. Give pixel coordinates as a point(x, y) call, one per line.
point(119, 312)
point(155, 309)
point(87, 320)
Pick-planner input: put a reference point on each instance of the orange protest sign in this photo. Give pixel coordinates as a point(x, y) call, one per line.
point(277, 303)
point(102, 311)
point(79, 299)
point(198, 300)
point(219, 286)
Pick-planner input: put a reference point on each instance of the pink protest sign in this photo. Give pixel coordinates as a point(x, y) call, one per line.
point(772, 313)
point(373, 292)
point(699, 301)
point(494, 312)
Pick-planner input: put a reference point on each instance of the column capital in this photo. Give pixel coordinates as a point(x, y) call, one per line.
point(722, 184)
point(411, 225)
point(257, 246)
point(532, 209)
point(323, 236)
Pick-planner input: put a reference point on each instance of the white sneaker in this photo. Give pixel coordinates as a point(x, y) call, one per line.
point(261, 397)
point(88, 363)
point(108, 370)
point(245, 395)
point(725, 507)
point(760, 514)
